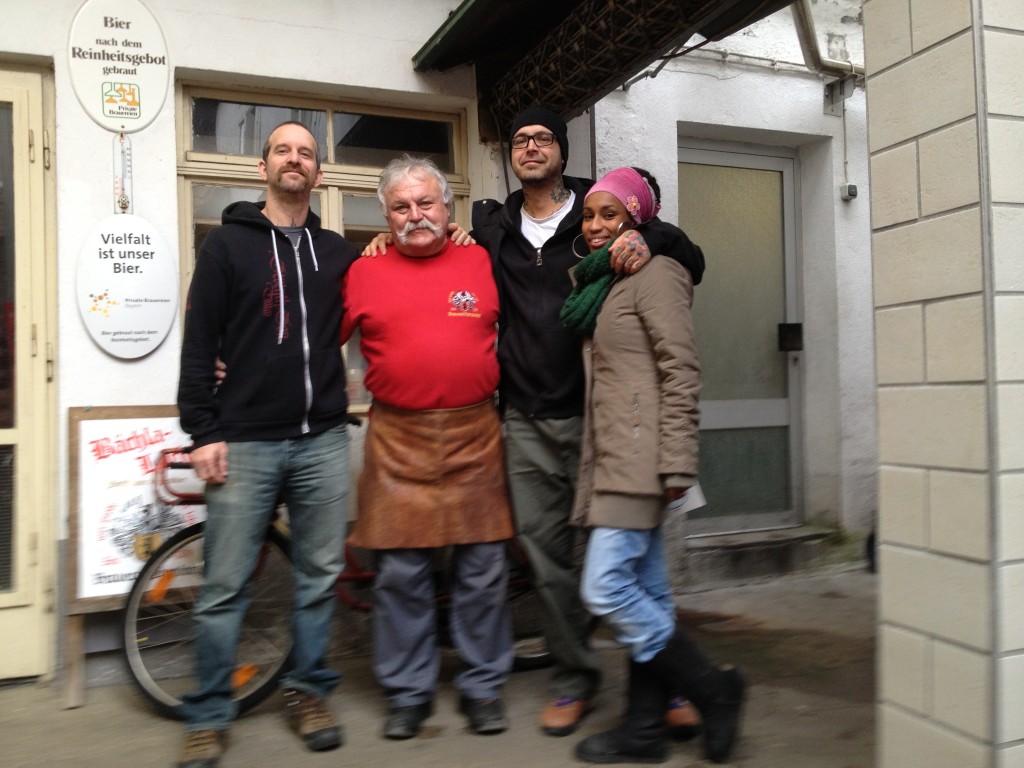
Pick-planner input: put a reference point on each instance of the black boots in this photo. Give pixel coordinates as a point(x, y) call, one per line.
point(717, 693)
point(680, 667)
point(642, 738)
point(722, 715)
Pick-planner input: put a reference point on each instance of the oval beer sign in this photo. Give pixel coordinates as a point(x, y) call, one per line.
point(127, 286)
point(117, 57)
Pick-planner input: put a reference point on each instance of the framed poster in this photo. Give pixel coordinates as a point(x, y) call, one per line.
point(118, 514)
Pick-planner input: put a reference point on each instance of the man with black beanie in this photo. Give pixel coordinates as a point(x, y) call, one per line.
point(548, 119)
point(530, 238)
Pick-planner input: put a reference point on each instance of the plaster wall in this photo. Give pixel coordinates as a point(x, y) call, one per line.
point(838, 28)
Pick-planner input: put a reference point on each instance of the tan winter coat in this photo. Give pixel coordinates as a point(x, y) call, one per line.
point(643, 386)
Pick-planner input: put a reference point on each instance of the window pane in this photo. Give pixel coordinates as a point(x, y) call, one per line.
point(237, 128)
point(373, 140)
point(210, 200)
point(744, 471)
point(363, 218)
point(737, 215)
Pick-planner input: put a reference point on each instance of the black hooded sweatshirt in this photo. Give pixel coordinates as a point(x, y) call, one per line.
point(540, 359)
point(272, 313)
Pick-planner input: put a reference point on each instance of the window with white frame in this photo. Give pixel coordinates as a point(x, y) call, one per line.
point(223, 133)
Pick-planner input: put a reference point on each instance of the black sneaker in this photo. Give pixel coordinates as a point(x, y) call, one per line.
point(486, 716)
point(310, 718)
point(405, 722)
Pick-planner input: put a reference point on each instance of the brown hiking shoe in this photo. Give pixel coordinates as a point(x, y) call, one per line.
point(682, 719)
point(310, 718)
point(202, 749)
point(563, 714)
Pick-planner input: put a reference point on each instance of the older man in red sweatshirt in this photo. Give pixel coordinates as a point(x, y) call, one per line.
point(433, 475)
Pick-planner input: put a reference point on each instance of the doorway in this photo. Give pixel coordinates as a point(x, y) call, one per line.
point(27, 562)
point(740, 208)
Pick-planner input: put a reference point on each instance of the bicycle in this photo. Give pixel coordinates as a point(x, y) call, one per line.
point(158, 627)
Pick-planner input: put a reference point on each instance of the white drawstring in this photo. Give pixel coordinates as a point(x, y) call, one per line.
point(280, 289)
point(280, 278)
point(312, 251)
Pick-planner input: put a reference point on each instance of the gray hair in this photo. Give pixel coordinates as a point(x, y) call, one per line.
point(406, 165)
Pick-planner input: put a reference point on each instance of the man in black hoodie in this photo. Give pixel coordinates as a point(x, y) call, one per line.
point(265, 299)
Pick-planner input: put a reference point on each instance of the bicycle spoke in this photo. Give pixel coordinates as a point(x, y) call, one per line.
point(159, 626)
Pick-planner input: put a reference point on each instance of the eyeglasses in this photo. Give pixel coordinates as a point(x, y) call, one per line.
point(520, 141)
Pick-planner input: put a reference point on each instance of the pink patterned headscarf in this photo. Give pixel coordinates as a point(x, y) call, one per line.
point(632, 190)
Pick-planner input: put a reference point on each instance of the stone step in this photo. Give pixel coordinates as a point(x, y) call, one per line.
point(727, 559)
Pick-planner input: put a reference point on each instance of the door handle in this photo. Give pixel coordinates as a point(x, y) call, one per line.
point(791, 337)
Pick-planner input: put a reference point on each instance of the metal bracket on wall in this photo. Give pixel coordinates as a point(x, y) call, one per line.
point(837, 92)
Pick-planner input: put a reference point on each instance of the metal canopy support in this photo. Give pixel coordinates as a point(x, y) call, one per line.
point(837, 92)
point(568, 54)
point(587, 56)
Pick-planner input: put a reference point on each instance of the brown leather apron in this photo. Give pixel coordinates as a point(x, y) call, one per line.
point(432, 478)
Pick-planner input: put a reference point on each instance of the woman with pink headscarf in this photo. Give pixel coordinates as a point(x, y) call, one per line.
point(639, 455)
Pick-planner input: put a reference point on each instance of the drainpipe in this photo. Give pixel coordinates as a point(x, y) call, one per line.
point(809, 44)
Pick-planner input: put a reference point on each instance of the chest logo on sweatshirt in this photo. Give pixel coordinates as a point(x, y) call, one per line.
point(274, 303)
point(462, 304)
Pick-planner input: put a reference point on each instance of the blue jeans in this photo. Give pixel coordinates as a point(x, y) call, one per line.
point(311, 475)
point(626, 582)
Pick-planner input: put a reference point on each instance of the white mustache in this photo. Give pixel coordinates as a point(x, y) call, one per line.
point(412, 226)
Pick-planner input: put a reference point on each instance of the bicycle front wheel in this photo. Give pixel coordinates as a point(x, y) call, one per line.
point(158, 629)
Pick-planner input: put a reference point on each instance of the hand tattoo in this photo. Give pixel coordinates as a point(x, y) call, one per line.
point(630, 252)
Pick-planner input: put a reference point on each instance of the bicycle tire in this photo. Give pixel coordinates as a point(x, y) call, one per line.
point(158, 627)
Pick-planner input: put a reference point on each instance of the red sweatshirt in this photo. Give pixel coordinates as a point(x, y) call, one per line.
point(428, 326)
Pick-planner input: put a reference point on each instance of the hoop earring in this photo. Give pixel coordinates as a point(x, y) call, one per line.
point(574, 253)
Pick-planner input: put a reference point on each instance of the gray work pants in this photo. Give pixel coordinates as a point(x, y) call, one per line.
point(542, 458)
point(405, 652)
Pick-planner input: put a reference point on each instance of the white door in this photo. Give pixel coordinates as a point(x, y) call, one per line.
point(740, 208)
point(27, 561)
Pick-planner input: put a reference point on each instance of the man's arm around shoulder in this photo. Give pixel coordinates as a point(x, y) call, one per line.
point(669, 240)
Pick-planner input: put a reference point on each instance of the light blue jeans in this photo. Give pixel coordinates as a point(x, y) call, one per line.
point(625, 581)
point(311, 475)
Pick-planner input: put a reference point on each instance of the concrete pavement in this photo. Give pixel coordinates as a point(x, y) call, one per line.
point(806, 641)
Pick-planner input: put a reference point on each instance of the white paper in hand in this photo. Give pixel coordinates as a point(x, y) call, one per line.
point(694, 499)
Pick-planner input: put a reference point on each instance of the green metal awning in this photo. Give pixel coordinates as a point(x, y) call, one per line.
point(568, 54)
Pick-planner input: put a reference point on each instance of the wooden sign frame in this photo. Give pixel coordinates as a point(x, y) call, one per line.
point(133, 450)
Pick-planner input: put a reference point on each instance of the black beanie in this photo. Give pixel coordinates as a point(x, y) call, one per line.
point(547, 118)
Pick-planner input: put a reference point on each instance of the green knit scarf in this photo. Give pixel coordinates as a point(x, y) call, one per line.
point(594, 277)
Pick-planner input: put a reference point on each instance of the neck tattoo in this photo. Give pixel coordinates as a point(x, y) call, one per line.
point(557, 197)
point(559, 194)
